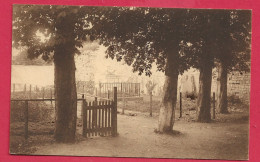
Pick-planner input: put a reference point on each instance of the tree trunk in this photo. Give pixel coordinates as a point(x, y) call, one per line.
point(222, 104)
point(65, 94)
point(168, 105)
point(64, 80)
point(204, 98)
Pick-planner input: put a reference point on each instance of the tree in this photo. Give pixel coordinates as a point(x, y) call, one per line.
point(145, 36)
point(221, 35)
point(203, 25)
point(233, 40)
point(64, 28)
point(198, 52)
point(175, 39)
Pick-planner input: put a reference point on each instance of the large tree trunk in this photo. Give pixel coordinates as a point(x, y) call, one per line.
point(204, 98)
point(222, 104)
point(65, 86)
point(168, 105)
point(65, 95)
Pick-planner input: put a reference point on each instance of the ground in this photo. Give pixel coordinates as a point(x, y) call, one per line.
point(226, 137)
point(138, 139)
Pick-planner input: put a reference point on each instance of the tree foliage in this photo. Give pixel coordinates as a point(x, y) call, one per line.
point(21, 58)
point(143, 36)
point(48, 19)
point(139, 36)
point(223, 34)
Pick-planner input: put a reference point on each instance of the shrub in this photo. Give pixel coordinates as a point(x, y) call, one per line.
point(234, 99)
point(37, 111)
point(191, 95)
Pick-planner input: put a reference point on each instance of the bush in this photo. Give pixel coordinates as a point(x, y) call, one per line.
point(191, 95)
point(37, 111)
point(233, 99)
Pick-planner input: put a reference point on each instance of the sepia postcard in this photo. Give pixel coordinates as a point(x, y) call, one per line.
point(130, 82)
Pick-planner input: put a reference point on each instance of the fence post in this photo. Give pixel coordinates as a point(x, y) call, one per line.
point(24, 88)
point(26, 120)
point(43, 92)
point(214, 108)
point(83, 89)
point(100, 92)
point(83, 116)
point(51, 96)
point(36, 91)
point(121, 89)
point(114, 118)
point(124, 104)
point(14, 88)
point(139, 89)
point(151, 103)
point(82, 112)
point(180, 104)
point(54, 100)
point(30, 92)
point(25, 94)
point(108, 94)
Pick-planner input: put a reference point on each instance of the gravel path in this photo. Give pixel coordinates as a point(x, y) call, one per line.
point(220, 140)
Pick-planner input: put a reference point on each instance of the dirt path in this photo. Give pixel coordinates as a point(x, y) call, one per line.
point(137, 139)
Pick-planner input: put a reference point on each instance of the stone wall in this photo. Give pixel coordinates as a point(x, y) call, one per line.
point(239, 85)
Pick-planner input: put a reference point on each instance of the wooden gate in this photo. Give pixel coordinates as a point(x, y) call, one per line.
point(100, 117)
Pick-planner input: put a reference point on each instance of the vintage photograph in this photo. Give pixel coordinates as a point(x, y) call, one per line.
point(130, 82)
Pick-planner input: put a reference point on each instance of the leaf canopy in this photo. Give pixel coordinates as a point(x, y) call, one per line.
point(139, 36)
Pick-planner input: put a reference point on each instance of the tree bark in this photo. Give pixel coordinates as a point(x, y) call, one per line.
point(65, 95)
point(64, 81)
point(168, 105)
point(222, 103)
point(205, 78)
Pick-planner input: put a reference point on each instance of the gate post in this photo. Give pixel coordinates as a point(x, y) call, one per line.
point(84, 116)
point(114, 114)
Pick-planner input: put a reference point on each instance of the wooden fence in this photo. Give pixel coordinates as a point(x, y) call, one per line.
point(100, 117)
